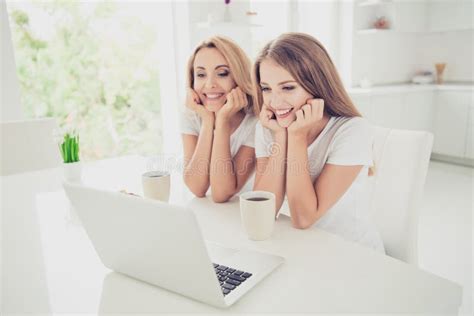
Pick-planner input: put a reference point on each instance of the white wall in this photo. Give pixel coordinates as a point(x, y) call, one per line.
point(321, 19)
point(384, 58)
point(450, 15)
point(454, 48)
point(9, 88)
point(202, 11)
point(450, 38)
point(273, 18)
point(182, 46)
point(425, 32)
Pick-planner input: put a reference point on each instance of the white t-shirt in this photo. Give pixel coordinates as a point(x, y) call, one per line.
point(344, 141)
point(244, 135)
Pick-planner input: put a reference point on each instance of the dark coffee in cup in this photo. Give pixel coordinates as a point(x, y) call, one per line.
point(257, 199)
point(155, 174)
point(156, 185)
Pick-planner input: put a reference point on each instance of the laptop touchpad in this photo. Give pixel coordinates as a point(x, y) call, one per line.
point(219, 253)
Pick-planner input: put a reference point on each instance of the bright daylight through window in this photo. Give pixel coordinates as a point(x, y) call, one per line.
point(94, 67)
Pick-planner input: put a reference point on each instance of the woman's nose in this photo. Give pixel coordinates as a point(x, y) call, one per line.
point(210, 82)
point(275, 100)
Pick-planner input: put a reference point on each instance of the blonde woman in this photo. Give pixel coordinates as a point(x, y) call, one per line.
point(218, 128)
point(312, 145)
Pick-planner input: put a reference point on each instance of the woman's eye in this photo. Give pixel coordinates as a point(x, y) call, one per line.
point(200, 75)
point(265, 89)
point(288, 88)
point(223, 74)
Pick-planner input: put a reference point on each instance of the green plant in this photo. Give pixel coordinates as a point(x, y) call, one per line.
point(70, 148)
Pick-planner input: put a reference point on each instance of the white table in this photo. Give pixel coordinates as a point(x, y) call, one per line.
point(49, 265)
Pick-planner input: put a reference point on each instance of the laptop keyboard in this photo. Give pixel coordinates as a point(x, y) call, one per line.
point(229, 278)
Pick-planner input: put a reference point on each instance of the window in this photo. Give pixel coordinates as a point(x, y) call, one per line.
point(95, 66)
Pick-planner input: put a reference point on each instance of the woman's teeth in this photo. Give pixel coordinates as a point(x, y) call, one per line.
point(283, 113)
point(213, 96)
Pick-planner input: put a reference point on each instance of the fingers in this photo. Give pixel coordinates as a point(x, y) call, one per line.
point(231, 98)
point(192, 94)
point(268, 111)
point(192, 99)
point(243, 98)
point(317, 107)
point(239, 98)
point(265, 114)
point(299, 115)
point(306, 111)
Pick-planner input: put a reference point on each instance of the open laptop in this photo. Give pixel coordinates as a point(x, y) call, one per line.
point(162, 244)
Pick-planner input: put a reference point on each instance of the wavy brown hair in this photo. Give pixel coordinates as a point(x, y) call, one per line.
point(306, 59)
point(239, 64)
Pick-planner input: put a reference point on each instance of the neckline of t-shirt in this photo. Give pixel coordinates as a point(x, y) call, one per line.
point(324, 131)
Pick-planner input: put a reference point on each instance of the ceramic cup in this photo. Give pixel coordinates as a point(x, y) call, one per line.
point(257, 212)
point(156, 185)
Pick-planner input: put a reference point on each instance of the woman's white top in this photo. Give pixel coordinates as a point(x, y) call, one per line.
point(244, 135)
point(347, 142)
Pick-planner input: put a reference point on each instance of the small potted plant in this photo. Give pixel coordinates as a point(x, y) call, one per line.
point(70, 152)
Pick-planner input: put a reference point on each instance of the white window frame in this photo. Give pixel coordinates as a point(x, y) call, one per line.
point(171, 71)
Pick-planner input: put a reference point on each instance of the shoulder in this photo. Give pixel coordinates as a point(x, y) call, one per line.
point(189, 115)
point(356, 122)
point(190, 122)
point(352, 127)
point(352, 142)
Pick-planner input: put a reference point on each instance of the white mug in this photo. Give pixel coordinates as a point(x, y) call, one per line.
point(257, 212)
point(156, 185)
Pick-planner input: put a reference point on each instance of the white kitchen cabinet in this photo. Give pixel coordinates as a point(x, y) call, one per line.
point(451, 122)
point(447, 111)
point(418, 111)
point(387, 110)
point(405, 110)
point(411, 16)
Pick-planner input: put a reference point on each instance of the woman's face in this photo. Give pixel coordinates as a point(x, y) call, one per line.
point(212, 78)
point(281, 93)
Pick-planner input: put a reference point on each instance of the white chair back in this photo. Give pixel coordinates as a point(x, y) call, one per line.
point(401, 164)
point(28, 145)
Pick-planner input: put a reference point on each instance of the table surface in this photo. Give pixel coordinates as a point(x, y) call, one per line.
point(49, 264)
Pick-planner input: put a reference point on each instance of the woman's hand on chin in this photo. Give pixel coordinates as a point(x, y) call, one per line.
point(236, 101)
point(306, 118)
point(193, 102)
point(268, 121)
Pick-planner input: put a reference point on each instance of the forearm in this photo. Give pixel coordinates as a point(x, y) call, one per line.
point(272, 178)
point(222, 174)
point(196, 173)
point(302, 198)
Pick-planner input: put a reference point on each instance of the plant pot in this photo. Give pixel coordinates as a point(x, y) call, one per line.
point(72, 171)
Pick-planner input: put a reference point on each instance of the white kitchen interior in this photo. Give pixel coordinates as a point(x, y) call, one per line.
point(380, 47)
point(376, 64)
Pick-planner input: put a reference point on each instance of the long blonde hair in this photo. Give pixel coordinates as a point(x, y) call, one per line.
point(305, 58)
point(239, 64)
